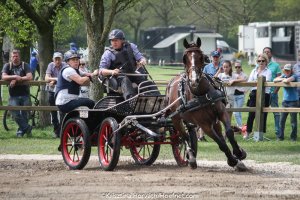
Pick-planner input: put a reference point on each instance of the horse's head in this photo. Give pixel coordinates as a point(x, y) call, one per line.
point(193, 60)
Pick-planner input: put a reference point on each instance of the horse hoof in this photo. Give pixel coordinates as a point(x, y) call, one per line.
point(240, 166)
point(242, 155)
point(191, 159)
point(193, 165)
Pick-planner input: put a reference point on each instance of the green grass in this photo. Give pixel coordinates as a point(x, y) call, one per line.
point(264, 151)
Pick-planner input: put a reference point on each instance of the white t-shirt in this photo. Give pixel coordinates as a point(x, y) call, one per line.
point(63, 96)
point(226, 78)
point(241, 75)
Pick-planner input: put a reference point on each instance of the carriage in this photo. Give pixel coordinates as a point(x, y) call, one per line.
point(137, 124)
point(148, 120)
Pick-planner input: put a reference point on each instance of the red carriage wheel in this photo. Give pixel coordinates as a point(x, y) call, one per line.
point(109, 144)
point(179, 147)
point(144, 151)
point(75, 143)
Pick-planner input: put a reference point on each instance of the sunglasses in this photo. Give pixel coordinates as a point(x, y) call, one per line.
point(261, 61)
point(83, 64)
point(238, 67)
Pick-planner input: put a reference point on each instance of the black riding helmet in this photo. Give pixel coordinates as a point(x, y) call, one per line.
point(116, 34)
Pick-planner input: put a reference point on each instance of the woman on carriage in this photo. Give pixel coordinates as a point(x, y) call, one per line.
point(68, 85)
point(122, 57)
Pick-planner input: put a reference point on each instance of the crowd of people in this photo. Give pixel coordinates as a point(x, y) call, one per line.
point(271, 70)
point(68, 78)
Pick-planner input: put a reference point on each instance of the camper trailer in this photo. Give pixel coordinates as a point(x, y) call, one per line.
point(282, 37)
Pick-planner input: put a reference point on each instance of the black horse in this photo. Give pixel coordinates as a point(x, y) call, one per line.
point(202, 105)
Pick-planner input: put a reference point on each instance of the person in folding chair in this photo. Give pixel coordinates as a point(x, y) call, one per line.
point(123, 58)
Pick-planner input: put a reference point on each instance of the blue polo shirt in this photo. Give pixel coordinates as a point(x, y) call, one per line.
point(290, 93)
point(210, 69)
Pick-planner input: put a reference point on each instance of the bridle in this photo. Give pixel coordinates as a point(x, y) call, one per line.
point(195, 71)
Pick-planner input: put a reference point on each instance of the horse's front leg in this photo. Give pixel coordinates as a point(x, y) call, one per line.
point(210, 130)
point(237, 150)
point(224, 117)
point(218, 138)
point(190, 154)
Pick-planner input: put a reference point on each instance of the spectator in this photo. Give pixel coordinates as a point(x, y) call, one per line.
point(73, 47)
point(84, 71)
point(51, 77)
point(239, 92)
point(215, 66)
point(226, 77)
point(34, 64)
point(122, 57)
point(68, 85)
point(290, 99)
point(296, 71)
point(18, 73)
point(276, 71)
point(260, 70)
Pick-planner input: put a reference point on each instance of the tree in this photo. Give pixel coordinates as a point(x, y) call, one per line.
point(17, 27)
point(286, 10)
point(42, 14)
point(69, 27)
point(134, 19)
point(165, 11)
point(224, 16)
point(99, 16)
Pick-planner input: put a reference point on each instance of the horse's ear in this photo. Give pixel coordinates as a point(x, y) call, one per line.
point(198, 42)
point(185, 43)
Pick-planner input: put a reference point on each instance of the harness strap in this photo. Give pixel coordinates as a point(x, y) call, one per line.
point(181, 90)
point(197, 102)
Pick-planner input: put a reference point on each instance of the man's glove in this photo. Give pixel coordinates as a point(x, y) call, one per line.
point(142, 62)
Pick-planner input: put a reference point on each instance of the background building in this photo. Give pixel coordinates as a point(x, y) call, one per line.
point(166, 43)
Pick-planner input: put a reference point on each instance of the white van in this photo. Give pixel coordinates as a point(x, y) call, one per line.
point(227, 52)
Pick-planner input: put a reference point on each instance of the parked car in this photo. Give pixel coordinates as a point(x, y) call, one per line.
point(226, 51)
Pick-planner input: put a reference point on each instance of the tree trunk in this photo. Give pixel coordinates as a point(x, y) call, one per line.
point(25, 51)
point(94, 59)
point(45, 48)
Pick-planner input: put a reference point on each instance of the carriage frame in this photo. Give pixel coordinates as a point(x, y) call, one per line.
point(138, 124)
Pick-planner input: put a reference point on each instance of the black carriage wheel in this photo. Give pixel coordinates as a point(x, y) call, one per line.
point(5, 118)
point(75, 143)
point(109, 144)
point(142, 151)
point(179, 146)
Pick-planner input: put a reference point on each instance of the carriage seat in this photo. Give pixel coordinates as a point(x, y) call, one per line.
point(144, 88)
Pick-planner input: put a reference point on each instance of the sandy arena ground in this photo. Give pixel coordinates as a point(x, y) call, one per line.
point(46, 177)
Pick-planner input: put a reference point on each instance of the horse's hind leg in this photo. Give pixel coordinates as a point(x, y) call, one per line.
point(190, 154)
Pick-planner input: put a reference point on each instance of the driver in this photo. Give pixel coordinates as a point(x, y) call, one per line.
point(122, 57)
